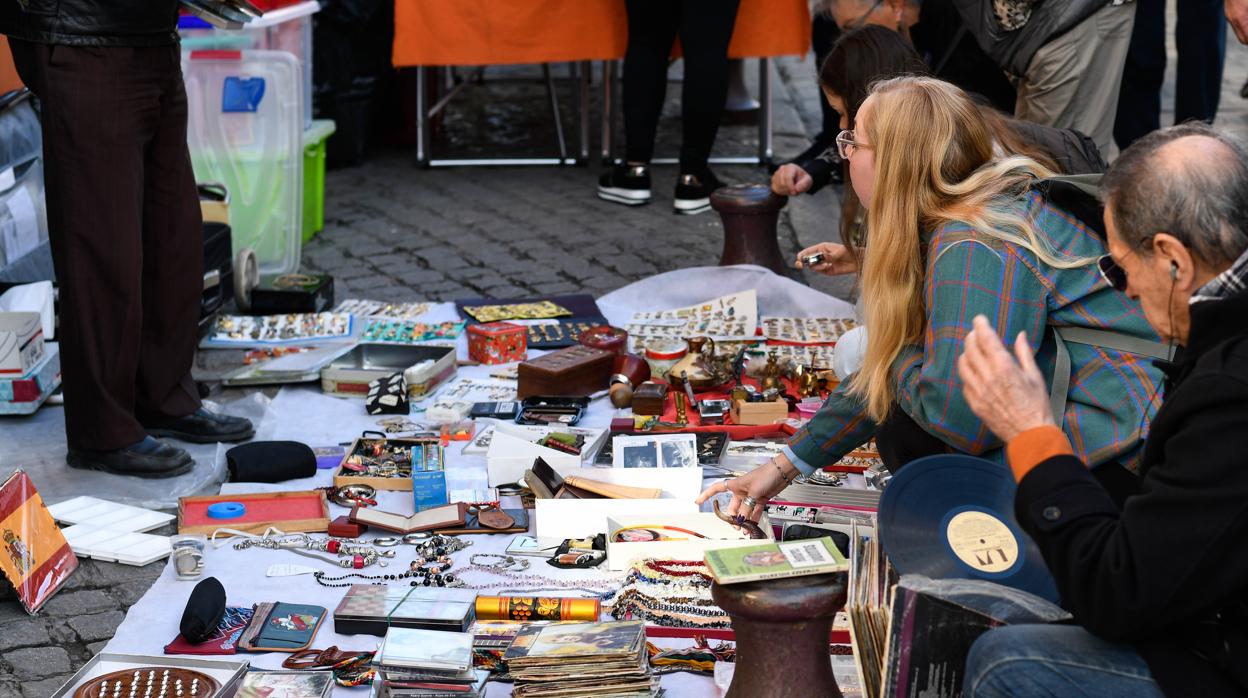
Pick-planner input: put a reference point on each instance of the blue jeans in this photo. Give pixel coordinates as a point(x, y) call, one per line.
point(1054, 660)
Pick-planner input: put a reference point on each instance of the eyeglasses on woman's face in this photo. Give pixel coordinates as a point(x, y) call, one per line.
point(846, 145)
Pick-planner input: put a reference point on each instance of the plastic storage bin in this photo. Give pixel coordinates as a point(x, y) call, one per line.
point(246, 130)
point(287, 28)
point(314, 176)
point(23, 216)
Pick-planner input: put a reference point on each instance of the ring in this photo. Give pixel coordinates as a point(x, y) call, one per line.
point(749, 502)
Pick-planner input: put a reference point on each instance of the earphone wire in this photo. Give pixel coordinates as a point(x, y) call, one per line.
point(1169, 355)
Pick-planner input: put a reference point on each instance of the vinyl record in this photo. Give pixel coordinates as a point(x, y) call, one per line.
point(952, 516)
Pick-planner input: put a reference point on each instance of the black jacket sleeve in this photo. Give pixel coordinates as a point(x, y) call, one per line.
point(1178, 549)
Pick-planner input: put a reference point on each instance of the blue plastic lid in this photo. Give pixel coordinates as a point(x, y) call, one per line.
point(226, 510)
point(192, 22)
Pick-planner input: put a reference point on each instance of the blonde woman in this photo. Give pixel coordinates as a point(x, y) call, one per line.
point(953, 233)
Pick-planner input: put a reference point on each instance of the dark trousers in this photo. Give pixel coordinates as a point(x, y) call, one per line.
point(704, 28)
point(823, 35)
point(126, 233)
point(900, 440)
point(1200, 38)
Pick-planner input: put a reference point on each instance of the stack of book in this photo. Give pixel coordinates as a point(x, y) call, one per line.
point(571, 660)
point(427, 663)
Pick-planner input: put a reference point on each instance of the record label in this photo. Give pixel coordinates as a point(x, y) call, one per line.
point(982, 541)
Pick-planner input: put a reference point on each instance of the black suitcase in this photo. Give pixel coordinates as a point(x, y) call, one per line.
point(218, 271)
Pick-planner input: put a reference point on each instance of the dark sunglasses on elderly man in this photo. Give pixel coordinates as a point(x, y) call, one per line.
point(1113, 274)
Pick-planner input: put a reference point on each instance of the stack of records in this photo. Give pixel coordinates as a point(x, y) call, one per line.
point(871, 579)
point(571, 660)
point(429, 664)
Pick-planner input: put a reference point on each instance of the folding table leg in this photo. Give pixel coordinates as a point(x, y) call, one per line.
point(554, 110)
point(765, 151)
point(608, 111)
point(423, 153)
point(583, 71)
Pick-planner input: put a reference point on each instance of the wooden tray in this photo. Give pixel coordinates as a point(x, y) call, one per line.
point(304, 511)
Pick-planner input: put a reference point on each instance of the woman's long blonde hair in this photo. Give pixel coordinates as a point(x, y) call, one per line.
point(933, 165)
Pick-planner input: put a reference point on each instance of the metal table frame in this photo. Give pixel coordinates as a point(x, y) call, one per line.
point(579, 71)
point(765, 150)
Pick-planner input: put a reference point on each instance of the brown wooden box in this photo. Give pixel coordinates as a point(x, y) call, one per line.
point(650, 399)
point(759, 412)
point(577, 370)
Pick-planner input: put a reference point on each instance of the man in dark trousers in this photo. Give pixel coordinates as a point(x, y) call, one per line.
point(1157, 584)
point(125, 227)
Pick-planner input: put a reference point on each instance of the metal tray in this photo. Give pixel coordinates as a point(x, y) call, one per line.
point(350, 373)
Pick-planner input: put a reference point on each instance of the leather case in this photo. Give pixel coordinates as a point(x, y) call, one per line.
point(577, 370)
point(473, 524)
point(281, 627)
point(342, 527)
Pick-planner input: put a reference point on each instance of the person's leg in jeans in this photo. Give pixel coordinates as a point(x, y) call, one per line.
point(1200, 38)
point(705, 30)
point(1139, 100)
point(1054, 661)
point(173, 254)
point(652, 30)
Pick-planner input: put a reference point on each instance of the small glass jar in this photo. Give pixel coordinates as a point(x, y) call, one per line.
point(188, 555)
point(663, 354)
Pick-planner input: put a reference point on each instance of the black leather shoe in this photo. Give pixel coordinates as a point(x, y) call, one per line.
point(201, 427)
point(159, 461)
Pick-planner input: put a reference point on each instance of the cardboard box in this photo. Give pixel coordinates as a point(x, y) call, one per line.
point(756, 413)
point(558, 519)
point(429, 479)
point(24, 395)
point(620, 556)
point(21, 343)
point(509, 456)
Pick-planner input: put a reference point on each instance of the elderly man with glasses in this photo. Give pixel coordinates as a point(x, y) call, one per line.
point(1158, 584)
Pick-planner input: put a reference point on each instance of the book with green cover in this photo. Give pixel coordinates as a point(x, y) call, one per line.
point(774, 560)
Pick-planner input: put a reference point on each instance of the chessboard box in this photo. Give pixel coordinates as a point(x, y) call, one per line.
point(228, 673)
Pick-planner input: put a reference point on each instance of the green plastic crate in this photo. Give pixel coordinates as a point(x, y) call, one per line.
point(314, 139)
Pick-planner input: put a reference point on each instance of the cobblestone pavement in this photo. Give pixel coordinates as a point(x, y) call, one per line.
point(396, 232)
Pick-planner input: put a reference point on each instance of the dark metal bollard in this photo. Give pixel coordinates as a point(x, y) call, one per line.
point(782, 628)
point(750, 213)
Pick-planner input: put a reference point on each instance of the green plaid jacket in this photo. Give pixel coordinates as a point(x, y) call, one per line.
point(1111, 395)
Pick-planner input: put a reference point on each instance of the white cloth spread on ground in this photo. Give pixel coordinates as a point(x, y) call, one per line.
point(304, 414)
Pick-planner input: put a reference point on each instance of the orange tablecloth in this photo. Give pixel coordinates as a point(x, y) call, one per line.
point(472, 32)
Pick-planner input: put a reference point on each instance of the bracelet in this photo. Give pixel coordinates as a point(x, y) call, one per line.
point(787, 480)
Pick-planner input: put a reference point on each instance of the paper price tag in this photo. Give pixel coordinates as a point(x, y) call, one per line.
point(806, 553)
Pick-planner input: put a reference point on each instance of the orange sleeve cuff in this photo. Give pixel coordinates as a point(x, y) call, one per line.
point(1033, 447)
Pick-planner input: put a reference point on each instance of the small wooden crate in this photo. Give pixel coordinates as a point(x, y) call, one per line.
point(304, 511)
point(755, 413)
